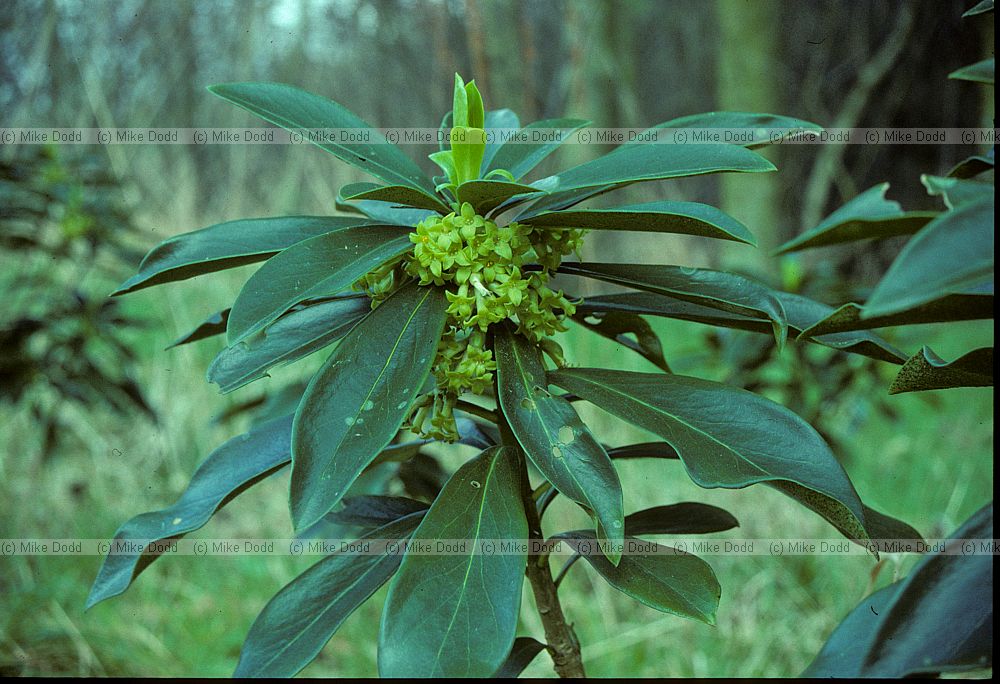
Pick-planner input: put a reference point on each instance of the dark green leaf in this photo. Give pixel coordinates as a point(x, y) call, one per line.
point(454, 615)
point(927, 371)
point(386, 213)
point(684, 218)
point(952, 254)
point(229, 470)
point(554, 437)
point(294, 110)
point(971, 167)
point(667, 580)
point(211, 326)
point(958, 192)
point(295, 335)
point(714, 289)
point(396, 194)
point(521, 654)
point(950, 308)
point(631, 164)
point(867, 216)
point(486, 195)
point(296, 624)
point(980, 72)
point(316, 267)
point(357, 402)
point(644, 450)
point(939, 619)
point(758, 130)
point(882, 526)
point(728, 437)
point(619, 325)
point(800, 311)
point(498, 123)
point(374, 510)
point(682, 518)
point(228, 245)
point(521, 153)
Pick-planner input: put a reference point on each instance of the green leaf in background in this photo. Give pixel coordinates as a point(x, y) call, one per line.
point(210, 327)
point(295, 335)
point(666, 579)
point(454, 615)
point(522, 653)
point(637, 163)
point(965, 307)
point(358, 400)
point(681, 518)
point(486, 195)
point(683, 218)
point(980, 72)
point(927, 371)
point(229, 470)
point(372, 510)
point(295, 625)
point(957, 192)
point(619, 326)
point(972, 166)
point(520, 154)
point(316, 267)
point(952, 254)
point(868, 216)
point(938, 619)
point(758, 130)
point(294, 110)
point(728, 437)
point(397, 194)
point(714, 289)
point(228, 245)
point(554, 437)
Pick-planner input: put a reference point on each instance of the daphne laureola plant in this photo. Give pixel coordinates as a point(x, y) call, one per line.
point(438, 294)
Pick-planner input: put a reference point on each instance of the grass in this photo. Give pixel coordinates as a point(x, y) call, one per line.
point(929, 464)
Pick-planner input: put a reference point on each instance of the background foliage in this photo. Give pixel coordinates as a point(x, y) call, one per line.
point(924, 458)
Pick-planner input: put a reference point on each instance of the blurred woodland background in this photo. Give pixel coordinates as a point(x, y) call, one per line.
point(98, 423)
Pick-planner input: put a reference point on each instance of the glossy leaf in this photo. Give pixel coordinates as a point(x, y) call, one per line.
point(295, 335)
point(980, 72)
point(800, 311)
point(681, 518)
point(210, 327)
point(520, 154)
point(952, 254)
point(386, 213)
point(972, 166)
point(356, 403)
point(683, 218)
point(295, 625)
point(927, 371)
point(728, 437)
point(757, 130)
point(228, 245)
point(524, 651)
point(949, 308)
point(454, 615)
point(981, 7)
point(714, 289)
point(372, 510)
point(938, 619)
point(294, 110)
point(676, 583)
point(621, 326)
point(397, 194)
point(320, 266)
point(499, 122)
point(229, 470)
point(554, 437)
point(868, 216)
point(486, 195)
point(632, 164)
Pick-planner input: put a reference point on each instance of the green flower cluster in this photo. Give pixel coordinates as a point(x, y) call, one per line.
point(481, 265)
